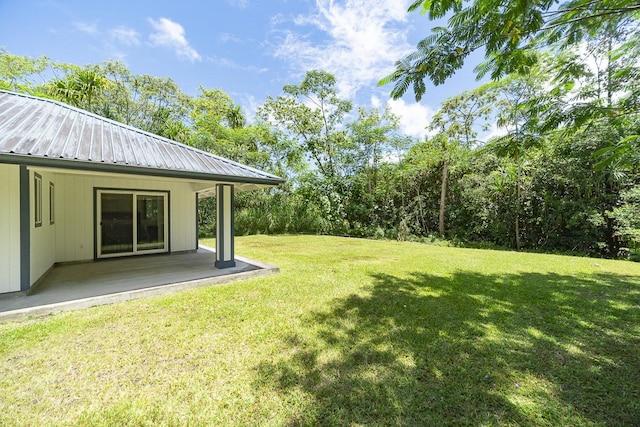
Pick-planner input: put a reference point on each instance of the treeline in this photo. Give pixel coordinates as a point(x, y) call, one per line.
point(559, 174)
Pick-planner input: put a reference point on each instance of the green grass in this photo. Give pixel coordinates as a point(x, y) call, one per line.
point(351, 332)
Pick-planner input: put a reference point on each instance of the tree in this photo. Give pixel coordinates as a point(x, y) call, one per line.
point(235, 117)
point(604, 83)
point(519, 114)
point(209, 113)
point(510, 33)
point(599, 93)
point(80, 86)
point(372, 132)
point(157, 103)
point(421, 170)
point(447, 149)
point(376, 149)
point(627, 218)
point(312, 113)
point(16, 72)
point(457, 124)
point(110, 89)
point(218, 126)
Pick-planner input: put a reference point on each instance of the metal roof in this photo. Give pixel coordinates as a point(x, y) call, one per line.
point(43, 132)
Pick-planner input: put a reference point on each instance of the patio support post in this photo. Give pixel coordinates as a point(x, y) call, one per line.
point(25, 228)
point(224, 227)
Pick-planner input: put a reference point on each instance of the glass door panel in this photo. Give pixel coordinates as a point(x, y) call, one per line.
point(116, 223)
point(131, 223)
point(150, 222)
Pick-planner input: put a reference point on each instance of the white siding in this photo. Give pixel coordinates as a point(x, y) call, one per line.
point(9, 228)
point(43, 238)
point(75, 217)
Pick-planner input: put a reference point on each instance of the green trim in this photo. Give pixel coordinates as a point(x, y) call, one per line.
point(197, 222)
point(232, 200)
point(37, 199)
point(25, 231)
point(220, 225)
point(95, 223)
point(168, 219)
point(52, 203)
point(55, 162)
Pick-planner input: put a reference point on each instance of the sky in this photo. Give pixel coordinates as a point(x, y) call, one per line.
point(248, 48)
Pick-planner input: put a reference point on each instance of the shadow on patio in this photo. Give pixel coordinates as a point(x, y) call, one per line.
point(74, 286)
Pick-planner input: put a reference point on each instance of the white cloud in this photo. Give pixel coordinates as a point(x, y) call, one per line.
point(91, 29)
point(125, 35)
point(250, 106)
point(361, 40)
point(239, 3)
point(414, 117)
point(228, 63)
point(375, 102)
point(172, 35)
point(229, 37)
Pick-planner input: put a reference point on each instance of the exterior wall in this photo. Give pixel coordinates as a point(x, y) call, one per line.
point(75, 217)
point(9, 228)
point(43, 237)
point(71, 236)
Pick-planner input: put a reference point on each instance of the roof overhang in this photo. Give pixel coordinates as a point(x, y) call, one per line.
point(79, 165)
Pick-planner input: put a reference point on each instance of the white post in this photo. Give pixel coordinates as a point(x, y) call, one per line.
point(224, 227)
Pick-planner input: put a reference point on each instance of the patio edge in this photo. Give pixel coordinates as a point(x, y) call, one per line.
point(44, 310)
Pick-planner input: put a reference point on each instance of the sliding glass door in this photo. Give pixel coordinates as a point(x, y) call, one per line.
point(115, 232)
point(130, 223)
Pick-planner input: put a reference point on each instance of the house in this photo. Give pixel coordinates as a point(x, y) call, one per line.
point(75, 186)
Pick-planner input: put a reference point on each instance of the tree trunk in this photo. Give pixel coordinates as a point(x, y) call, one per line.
point(517, 222)
point(443, 196)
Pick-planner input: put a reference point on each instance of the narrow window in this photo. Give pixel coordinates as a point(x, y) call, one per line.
point(51, 203)
point(37, 192)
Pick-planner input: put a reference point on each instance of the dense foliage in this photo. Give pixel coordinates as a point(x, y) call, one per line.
point(560, 174)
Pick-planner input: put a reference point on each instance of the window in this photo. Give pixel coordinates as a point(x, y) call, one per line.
point(37, 192)
point(51, 203)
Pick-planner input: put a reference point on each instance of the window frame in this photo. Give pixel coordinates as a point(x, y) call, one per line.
point(98, 238)
point(52, 206)
point(37, 195)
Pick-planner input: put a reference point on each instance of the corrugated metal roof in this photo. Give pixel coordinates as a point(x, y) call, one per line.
point(40, 132)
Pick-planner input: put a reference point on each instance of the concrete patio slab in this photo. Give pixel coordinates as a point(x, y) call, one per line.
point(76, 286)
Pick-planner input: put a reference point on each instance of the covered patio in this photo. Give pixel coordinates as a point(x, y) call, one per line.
point(81, 188)
point(87, 284)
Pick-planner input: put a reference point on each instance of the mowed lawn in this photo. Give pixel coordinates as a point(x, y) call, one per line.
point(351, 332)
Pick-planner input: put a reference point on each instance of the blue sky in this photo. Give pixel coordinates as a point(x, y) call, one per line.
point(248, 48)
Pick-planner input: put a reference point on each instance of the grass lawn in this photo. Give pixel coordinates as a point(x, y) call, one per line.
point(351, 332)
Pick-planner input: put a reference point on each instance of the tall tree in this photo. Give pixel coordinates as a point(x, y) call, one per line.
point(372, 132)
point(377, 148)
point(219, 127)
point(235, 117)
point(599, 92)
point(519, 114)
point(111, 90)
point(457, 123)
point(312, 113)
